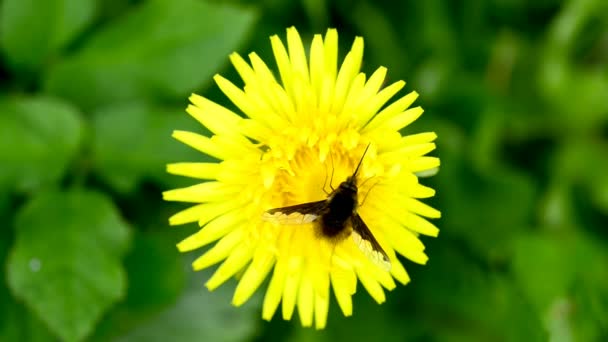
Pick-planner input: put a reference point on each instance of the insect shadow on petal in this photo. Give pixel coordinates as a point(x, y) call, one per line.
point(336, 217)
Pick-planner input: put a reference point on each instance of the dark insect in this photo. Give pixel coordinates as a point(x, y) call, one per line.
point(336, 218)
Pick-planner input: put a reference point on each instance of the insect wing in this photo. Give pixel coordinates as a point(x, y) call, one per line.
point(368, 244)
point(296, 214)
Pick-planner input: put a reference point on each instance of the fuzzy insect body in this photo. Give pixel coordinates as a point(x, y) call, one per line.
point(336, 216)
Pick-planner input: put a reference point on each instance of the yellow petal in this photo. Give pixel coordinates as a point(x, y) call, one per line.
point(419, 138)
point(214, 230)
point(203, 192)
point(216, 118)
point(292, 282)
point(306, 301)
point(371, 107)
point(262, 72)
point(330, 48)
point(349, 69)
point(321, 286)
point(399, 272)
point(201, 143)
point(402, 120)
point(275, 290)
point(256, 272)
point(297, 57)
point(203, 213)
point(408, 152)
point(391, 111)
point(417, 207)
point(235, 262)
point(372, 286)
point(245, 71)
point(317, 64)
point(194, 170)
point(283, 63)
point(186, 216)
point(258, 110)
point(220, 251)
point(423, 163)
point(341, 281)
point(420, 225)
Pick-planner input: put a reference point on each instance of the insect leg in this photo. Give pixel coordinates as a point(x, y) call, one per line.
point(325, 181)
point(331, 179)
point(370, 189)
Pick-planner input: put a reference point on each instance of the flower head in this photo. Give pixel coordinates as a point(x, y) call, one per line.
point(299, 137)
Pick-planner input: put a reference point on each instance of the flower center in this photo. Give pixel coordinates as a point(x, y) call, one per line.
point(311, 174)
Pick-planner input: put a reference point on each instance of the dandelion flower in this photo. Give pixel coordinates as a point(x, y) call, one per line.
point(294, 139)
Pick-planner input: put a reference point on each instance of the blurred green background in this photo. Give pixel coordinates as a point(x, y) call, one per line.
point(91, 90)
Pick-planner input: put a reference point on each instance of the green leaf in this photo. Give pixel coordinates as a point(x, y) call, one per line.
point(590, 319)
point(38, 138)
point(483, 200)
point(456, 298)
point(147, 132)
point(369, 322)
point(66, 261)
point(543, 267)
point(200, 315)
point(485, 209)
point(156, 280)
point(156, 272)
point(565, 276)
point(18, 324)
point(33, 31)
point(582, 161)
point(158, 49)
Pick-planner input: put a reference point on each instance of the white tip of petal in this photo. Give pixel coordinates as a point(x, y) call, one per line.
point(427, 173)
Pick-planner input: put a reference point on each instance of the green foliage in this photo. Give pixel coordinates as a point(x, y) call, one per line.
point(216, 319)
point(90, 91)
point(92, 238)
point(38, 139)
point(150, 51)
point(124, 168)
point(33, 31)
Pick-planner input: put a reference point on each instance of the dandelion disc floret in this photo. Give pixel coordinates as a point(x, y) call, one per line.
point(296, 138)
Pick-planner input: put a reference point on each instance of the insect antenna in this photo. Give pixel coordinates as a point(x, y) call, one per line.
point(361, 160)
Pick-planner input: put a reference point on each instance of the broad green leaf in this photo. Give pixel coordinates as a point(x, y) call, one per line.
point(487, 139)
point(156, 280)
point(147, 133)
point(200, 315)
point(457, 298)
point(485, 209)
point(39, 137)
point(66, 260)
point(369, 322)
point(558, 70)
point(381, 36)
point(556, 207)
point(544, 267)
point(584, 162)
point(159, 49)
point(590, 318)
point(565, 276)
point(18, 324)
point(33, 31)
point(156, 272)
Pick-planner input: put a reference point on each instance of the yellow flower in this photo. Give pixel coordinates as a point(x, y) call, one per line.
point(296, 139)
